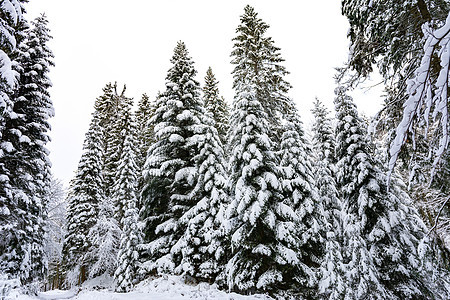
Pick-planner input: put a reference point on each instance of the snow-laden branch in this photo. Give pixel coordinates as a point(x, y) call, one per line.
point(428, 98)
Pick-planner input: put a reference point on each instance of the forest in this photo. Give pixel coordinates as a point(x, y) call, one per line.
point(237, 194)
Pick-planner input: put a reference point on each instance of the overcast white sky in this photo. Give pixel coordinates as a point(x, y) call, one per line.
point(131, 42)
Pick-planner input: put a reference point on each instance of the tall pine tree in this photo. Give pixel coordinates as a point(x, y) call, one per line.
point(256, 52)
point(24, 159)
point(263, 228)
point(12, 256)
point(300, 194)
point(215, 104)
point(125, 191)
point(33, 108)
point(170, 170)
point(332, 277)
point(382, 230)
point(85, 195)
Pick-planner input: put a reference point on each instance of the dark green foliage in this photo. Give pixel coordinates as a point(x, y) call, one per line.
point(85, 195)
point(254, 54)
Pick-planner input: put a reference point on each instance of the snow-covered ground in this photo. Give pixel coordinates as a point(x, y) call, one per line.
point(167, 287)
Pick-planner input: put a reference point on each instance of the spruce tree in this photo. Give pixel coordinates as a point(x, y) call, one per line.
point(205, 244)
point(105, 235)
point(215, 104)
point(111, 108)
point(33, 107)
point(12, 250)
point(263, 228)
point(24, 159)
point(254, 52)
point(332, 277)
point(125, 192)
point(144, 133)
point(170, 170)
point(300, 194)
point(382, 230)
point(85, 195)
point(11, 21)
point(123, 126)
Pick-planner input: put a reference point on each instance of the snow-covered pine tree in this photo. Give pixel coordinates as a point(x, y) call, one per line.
point(170, 170)
point(215, 104)
point(331, 275)
point(122, 127)
point(125, 191)
point(85, 194)
point(11, 21)
point(144, 133)
point(382, 230)
point(105, 235)
point(261, 226)
point(205, 244)
point(111, 107)
point(55, 232)
point(252, 50)
point(300, 195)
point(14, 253)
point(259, 222)
point(33, 107)
point(324, 142)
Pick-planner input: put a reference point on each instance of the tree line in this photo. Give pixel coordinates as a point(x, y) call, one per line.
point(239, 196)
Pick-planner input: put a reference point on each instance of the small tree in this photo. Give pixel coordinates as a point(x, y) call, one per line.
point(55, 232)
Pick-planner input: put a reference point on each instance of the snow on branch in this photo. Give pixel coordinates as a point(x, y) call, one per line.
point(428, 98)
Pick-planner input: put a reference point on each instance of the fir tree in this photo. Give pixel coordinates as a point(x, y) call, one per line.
point(24, 160)
point(123, 126)
point(300, 194)
point(125, 191)
point(262, 227)
point(256, 55)
point(382, 231)
point(111, 107)
point(144, 133)
point(216, 104)
point(170, 170)
point(11, 21)
point(85, 195)
point(13, 251)
point(205, 245)
point(33, 107)
point(332, 277)
point(105, 235)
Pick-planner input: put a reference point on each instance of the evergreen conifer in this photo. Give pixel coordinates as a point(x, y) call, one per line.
point(170, 170)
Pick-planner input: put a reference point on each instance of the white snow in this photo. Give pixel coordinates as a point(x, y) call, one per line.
point(166, 287)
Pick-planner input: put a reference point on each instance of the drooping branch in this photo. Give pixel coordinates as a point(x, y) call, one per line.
point(427, 94)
